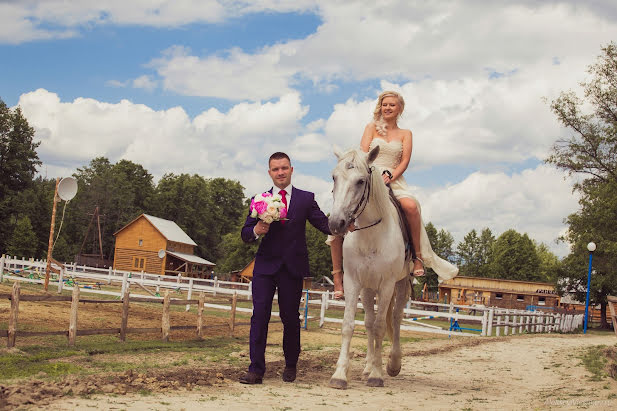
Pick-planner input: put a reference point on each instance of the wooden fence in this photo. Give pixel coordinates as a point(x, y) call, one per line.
point(11, 333)
point(504, 321)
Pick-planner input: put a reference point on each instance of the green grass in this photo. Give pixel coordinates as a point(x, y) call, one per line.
point(59, 360)
point(594, 360)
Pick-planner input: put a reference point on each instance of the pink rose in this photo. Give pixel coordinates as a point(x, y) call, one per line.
point(283, 212)
point(261, 206)
point(267, 194)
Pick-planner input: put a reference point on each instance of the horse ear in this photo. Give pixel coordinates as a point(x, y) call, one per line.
point(372, 155)
point(337, 151)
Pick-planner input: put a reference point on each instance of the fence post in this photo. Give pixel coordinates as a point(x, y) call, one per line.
point(61, 280)
point(232, 318)
point(322, 312)
point(216, 284)
point(306, 307)
point(73, 316)
point(491, 315)
point(125, 279)
point(190, 293)
point(125, 314)
point(12, 332)
point(165, 322)
point(484, 321)
point(109, 275)
point(2, 259)
point(200, 315)
point(514, 318)
point(498, 328)
point(158, 285)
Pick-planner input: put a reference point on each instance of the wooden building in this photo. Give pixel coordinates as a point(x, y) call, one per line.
point(498, 292)
point(158, 246)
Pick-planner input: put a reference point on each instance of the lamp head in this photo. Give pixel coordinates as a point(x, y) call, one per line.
point(591, 247)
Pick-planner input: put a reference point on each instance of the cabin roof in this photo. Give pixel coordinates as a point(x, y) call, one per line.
point(190, 258)
point(168, 229)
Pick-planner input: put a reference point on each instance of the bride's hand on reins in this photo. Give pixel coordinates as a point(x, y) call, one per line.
point(386, 179)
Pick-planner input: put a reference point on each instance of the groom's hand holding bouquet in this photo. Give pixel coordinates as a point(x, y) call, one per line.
point(267, 207)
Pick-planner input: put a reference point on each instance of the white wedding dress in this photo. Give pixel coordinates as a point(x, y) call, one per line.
point(389, 157)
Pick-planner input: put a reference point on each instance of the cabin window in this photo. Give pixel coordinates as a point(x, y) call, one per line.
point(542, 301)
point(498, 296)
point(141, 242)
point(139, 263)
point(520, 298)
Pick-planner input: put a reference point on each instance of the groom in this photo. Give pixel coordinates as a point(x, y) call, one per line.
point(281, 263)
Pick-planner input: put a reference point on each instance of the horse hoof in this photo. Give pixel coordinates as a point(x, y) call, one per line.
point(393, 372)
point(338, 384)
point(375, 382)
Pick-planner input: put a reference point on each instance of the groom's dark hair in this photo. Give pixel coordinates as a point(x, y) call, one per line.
point(277, 156)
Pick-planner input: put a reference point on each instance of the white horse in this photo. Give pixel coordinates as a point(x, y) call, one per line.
point(374, 263)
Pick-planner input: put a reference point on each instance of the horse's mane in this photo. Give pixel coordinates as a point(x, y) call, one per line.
point(380, 193)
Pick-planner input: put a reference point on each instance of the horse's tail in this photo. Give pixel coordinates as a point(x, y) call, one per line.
point(408, 290)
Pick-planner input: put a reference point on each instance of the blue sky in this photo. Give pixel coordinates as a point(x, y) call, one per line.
point(213, 87)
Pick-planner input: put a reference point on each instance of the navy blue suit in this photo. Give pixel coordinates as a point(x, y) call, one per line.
point(281, 262)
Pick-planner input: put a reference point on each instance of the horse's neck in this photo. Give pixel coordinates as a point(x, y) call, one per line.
point(374, 212)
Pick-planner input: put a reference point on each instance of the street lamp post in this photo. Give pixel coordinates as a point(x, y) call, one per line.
point(591, 247)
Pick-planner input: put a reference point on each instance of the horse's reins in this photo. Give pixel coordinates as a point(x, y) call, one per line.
point(364, 201)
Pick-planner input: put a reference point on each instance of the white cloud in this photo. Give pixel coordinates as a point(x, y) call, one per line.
point(145, 82)
point(28, 20)
point(236, 76)
point(534, 201)
point(232, 144)
point(364, 40)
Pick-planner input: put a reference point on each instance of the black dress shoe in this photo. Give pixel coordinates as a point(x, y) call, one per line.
point(289, 375)
point(252, 378)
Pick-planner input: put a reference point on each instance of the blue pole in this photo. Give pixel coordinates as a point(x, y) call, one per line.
point(306, 310)
point(587, 300)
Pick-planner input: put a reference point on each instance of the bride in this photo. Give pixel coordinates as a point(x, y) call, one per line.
point(395, 146)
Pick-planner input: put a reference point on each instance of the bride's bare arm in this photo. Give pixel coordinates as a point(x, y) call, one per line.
point(406, 156)
point(367, 137)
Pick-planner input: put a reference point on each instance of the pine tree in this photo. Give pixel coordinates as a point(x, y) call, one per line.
point(23, 242)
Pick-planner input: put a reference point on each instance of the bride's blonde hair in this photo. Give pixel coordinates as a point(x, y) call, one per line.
point(381, 125)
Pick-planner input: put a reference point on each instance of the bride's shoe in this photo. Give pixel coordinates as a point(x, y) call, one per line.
point(337, 276)
point(418, 272)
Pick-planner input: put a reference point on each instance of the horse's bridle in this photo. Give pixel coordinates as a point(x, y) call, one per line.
point(366, 193)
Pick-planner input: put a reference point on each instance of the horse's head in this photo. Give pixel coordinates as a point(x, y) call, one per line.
point(352, 179)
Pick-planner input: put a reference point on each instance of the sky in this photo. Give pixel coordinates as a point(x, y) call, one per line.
point(213, 87)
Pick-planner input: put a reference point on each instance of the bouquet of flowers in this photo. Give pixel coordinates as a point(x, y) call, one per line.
point(268, 207)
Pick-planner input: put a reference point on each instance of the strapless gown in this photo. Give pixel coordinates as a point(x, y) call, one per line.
point(389, 157)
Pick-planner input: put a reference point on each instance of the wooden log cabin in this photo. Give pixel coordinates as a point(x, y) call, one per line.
point(495, 292)
point(158, 246)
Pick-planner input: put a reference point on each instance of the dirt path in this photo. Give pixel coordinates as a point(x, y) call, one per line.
point(521, 372)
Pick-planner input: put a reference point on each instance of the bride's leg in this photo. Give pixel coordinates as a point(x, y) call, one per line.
point(336, 252)
point(415, 222)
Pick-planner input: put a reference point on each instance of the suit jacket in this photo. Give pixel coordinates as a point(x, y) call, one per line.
point(286, 243)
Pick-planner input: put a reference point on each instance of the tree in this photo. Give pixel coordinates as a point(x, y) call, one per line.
point(596, 221)
point(205, 209)
point(18, 162)
point(23, 242)
point(514, 258)
point(320, 261)
point(549, 263)
point(474, 253)
point(591, 152)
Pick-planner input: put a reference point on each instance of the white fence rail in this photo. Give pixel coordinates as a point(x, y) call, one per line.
point(490, 320)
